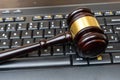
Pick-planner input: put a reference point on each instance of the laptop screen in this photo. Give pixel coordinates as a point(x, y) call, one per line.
point(38, 3)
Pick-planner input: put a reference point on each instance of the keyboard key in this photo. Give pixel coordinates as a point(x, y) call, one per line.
point(34, 53)
point(11, 27)
point(1, 19)
point(5, 44)
point(15, 35)
point(116, 57)
point(46, 51)
point(102, 59)
point(69, 50)
point(101, 20)
point(16, 43)
point(27, 41)
point(26, 34)
point(99, 13)
point(2, 27)
point(113, 47)
point(20, 19)
point(108, 13)
point(21, 26)
point(116, 28)
point(37, 33)
point(58, 50)
point(44, 25)
point(4, 35)
point(55, 24)
point(38, 39)
point(59, 31)
point(107, 29)
point(48, 17)
point(9, 19)
point(58, 16)
point(112, 37)
point(117, 12)
point(78, 61)
point(64, 24)
point(113, 20)
point(66, 16)
point(49, 33)
point(32, 26)
point(37, 18)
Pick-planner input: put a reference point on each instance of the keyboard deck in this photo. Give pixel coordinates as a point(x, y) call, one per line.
point(24, 26)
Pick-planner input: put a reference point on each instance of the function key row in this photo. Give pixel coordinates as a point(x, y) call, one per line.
point(106, 13)
point(12, 19)
point(33, 18)
point(57, 16)
point(49, 17)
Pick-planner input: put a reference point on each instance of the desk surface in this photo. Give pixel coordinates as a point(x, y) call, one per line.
point(34, 3)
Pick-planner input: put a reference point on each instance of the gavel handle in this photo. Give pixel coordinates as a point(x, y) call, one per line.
point(12, 53)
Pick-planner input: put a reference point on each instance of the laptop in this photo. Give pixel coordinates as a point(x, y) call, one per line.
point(24, 22)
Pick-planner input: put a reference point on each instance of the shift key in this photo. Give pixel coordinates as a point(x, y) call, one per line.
point(113, 47)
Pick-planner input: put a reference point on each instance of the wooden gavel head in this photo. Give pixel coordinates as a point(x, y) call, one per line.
point(87, 34)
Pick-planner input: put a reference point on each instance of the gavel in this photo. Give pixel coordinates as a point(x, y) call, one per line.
point(84, 31)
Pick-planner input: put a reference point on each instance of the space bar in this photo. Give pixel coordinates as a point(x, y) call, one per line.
point(37, 62)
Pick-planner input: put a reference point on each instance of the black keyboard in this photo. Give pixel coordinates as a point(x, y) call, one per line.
point(31, 25)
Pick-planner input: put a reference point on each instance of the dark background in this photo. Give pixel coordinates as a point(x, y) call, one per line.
point(36, 3)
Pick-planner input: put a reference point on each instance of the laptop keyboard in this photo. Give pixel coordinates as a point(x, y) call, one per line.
point(20, 30)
